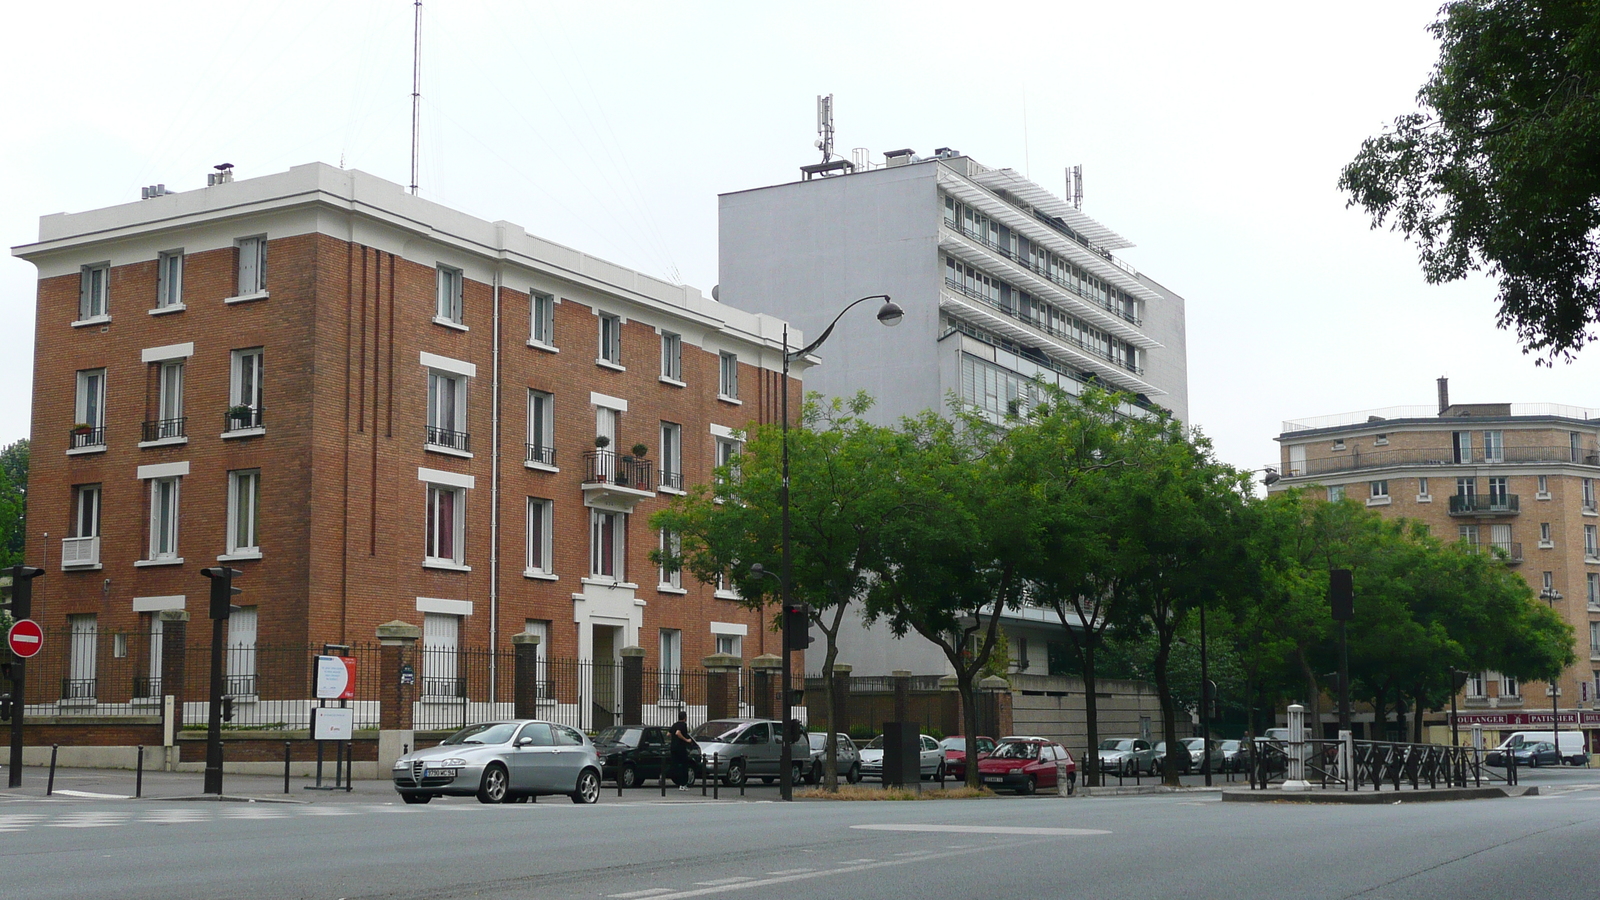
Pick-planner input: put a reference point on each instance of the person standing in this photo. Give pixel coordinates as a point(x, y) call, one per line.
point(681, 742)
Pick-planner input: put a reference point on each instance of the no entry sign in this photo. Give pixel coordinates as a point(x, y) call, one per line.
point(25, 638)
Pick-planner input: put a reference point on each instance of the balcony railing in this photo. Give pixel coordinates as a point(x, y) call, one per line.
point(672, 480)
point(1045, 327)
point(240, 419)
point(165, 429)
point(1511, 549)
point(608, 467)
point(79, 438)
point(1485, 505)
point(80, 551)
point(77, 689)
point(543, 456)
point(1044, 272)
point(146, 686)
point(239, 685)
point(1356, 459)
point(454, 440)
point(444, 687)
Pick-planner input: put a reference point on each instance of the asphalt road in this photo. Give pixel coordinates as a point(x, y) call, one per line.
point(366, 844)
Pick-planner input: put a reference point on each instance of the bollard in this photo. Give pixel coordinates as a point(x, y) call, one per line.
point(619, 777)
point(662, 778)
point(350, 765)
point(138, 775)
point(286, 767)
point(50, 787)
point(715, 785)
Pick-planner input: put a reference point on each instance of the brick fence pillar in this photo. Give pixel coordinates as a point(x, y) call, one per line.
point(397, 690)
point(950, 707)
point(839, 684)
point(632, 685)
point(525, 676)
point(767, 670)
point(994, 705)
point(722, 685)
point(174, 660)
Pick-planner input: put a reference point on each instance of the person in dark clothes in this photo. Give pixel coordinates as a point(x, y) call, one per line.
point(681, 742)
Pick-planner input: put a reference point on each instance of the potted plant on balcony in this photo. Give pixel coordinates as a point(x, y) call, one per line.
point(639, 450)
point(81, 428)
point(239, 416)
point(601, 441)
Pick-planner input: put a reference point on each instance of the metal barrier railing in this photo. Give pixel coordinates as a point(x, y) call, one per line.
point(1376, 765)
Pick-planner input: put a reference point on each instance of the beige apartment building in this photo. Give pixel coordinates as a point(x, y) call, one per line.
point(1520, 478)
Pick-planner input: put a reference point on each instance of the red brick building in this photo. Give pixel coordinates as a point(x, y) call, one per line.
point(376, 408)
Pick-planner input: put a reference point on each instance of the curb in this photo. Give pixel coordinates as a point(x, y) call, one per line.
point(1373, 798)
point(1144, 790)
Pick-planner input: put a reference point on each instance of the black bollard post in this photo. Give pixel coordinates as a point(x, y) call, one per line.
point(715, 785)
point(138, 775)
point(286, 767)
point(661, 777)
point(50, 787)
point(349, 766)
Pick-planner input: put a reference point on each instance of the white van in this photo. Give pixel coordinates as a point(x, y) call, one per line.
point(1571, 746)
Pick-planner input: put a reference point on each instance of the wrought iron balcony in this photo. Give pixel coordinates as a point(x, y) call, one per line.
point(1356, 459)
point(146, 686)
point(1511, 549)
point(543, 456)
point(672, 480)
point(165, 429)
point(77, 689)
point(80, 552)
point(1485, 505)
point(614, 481)
point(454, 440)
point(79, 438)
point(239, 686)
point(240, 418)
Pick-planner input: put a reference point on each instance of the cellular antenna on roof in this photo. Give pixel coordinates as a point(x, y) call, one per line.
point(1075, 185)
point(416, 89)
point(825, 127)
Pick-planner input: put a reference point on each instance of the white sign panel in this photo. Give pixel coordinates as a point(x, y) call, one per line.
point(336, 677)
point(330, 723)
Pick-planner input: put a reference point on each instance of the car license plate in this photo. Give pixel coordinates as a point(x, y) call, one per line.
point(994, 779)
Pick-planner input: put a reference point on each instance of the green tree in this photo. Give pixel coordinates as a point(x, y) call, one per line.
point(1500, 167)
point(13, 502)
point(843, 489)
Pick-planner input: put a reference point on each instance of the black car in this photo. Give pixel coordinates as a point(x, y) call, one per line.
point(1542, 753)
point(636, 754)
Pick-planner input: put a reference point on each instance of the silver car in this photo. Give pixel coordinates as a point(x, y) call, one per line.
point(1126, 756)
point(847, 758)
point(737, 749)
point(502, 762)
point(930, 758)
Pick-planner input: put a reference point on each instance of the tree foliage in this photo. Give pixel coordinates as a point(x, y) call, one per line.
point(1500, 168)
point(13, 501)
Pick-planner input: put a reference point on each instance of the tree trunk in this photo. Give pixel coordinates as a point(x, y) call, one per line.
point(1169, 720)
point(969, 715)
point(830, 765)
point(1091, 717)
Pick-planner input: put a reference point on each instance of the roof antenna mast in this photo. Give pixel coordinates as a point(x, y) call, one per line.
point(824, 126)
point(416, 90)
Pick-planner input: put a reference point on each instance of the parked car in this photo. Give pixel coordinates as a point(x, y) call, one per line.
point(1231, 760)
point(1197, 754)
point(930, 758)
point(1026, 765)
point(847, 759)
point(1184, 761)
point(1571, 744)
point(737, 749)
point(955, 753)
point(502, 762)
point(639, 753)
point(1126, 756)
point(1532, 753)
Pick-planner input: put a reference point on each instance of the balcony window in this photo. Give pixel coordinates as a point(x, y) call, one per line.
point(1509, 687)
point(541, 429)
point(540, 516)
point(1475, 685)
point(1468, 534)
point(169, 422)
point(244, 503)
point(240, 680)
point(246, 373)
point(169, 281)
point(445, 521)
point(252, 266)
point(671, 456)
point(1461, 446)
point(610, 350)
point(1494, 447)
point(163, 519)
point(671, 357)
point(89, 414)
point(1591, 542)
point(447, 411)
point(1588, 494)
point(94, 293)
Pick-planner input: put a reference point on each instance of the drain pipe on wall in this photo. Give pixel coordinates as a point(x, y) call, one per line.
point(494, 496)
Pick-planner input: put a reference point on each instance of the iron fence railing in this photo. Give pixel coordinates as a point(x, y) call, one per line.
point(78, 438)
point(454, 440)
point(1370, 765)
point(1357, 459)
point(164, 429)
point(539, 455)
point(609, 467)
point(240, 418)
point(1484, 504)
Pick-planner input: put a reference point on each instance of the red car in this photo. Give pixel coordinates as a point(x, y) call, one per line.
point(1027, 765)
point(955, 754)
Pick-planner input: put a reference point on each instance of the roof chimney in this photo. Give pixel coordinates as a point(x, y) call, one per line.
point(1444, 395)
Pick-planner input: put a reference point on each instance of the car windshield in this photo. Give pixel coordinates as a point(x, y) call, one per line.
point(616, 734)
point(718, 730)
point(1115, 744)
point(1015, 750)
point(818, 741)
point(955, 744)
point(876, 743)
point(487, 733)
point(1194, 743)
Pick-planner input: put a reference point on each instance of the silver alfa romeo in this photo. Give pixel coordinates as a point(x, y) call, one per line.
point(502, 762)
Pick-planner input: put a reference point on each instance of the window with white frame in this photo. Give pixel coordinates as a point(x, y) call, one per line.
point(730, 644)
point(1475, 685)
point(541, 515)
point(606, 421)
point(542, 328)
point(1461, 445)
point(252, 266)
point(1544, 533)
point(446, 521)
point(610, 339)
point(671, 672)
point(1467, 534)
point(1509, 686)
point(85, 510)
point(1574, 446)
point(441, 636)
point(671, 356)
point(1591, 542)
point(1499, 491)
point(1544, 484)
point(1335, 493)
point(163, 519)
point(149, 687)
point(671, 456)
point(83, 632)
point(94, 292)
point(169, 421)
point(1494, 446)
point(541, 428)
point(1422, 487)
point(241, 649)
point(169, 280)
point(245, 389)
point(447, 410)
point(447, 307)
point(1588, 494)
point(671, 546)
point(1467, 487)
point(1500, 538)
point(1380, 490)
point(726, 450)
point(608, 545)
point(1594, 639)
point(1593, 580)
point(244, 504)
point(727, 376)
point(91, 401)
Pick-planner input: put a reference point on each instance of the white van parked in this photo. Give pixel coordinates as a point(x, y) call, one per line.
point(1571, 745)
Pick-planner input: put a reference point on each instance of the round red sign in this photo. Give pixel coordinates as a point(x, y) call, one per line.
point(25, 638)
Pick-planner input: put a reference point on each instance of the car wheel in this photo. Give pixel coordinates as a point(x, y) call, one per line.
point(797, 775)
point(588, 787)
point(416, 798)
point(854, 775)
point(1027, 787)
point(495, 783)
point(629, 777)
point(735, 776)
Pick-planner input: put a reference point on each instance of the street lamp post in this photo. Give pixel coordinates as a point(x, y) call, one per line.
point(889, 314)
point(1551, 595)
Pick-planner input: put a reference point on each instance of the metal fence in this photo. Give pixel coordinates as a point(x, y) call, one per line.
point(1370, 765)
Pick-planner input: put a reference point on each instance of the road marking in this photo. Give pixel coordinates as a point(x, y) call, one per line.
point(177, 816)
point(799, 876)
point(791, 871)
point(93, 796)
point(634, 895)
point(854, 862)
point(89, 820)
point(986, 829)
point(719, 882)
point(19, 822)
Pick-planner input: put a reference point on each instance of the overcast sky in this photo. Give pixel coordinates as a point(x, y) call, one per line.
point(1211, 135)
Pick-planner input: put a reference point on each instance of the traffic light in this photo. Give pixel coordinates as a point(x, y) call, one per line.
point(222, 590)
point(21, 605)
point(796, 626)
point(795, 732)
point(227, 709)
point(5, 707)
